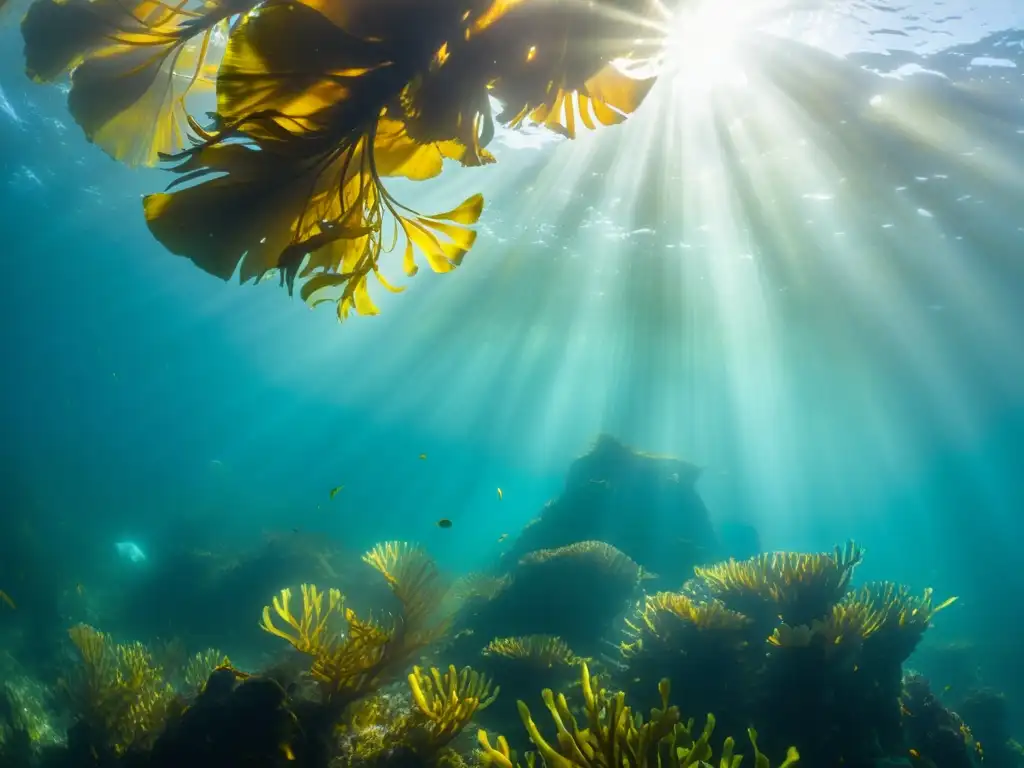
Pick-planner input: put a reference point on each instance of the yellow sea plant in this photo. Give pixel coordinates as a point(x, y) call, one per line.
point(615, 736)
point(364, 653)
point(903, 617)
point(534, 650)
point(661, 617)
point(448, 702)
point(847, 625)
point(799, 587)
point(116, 689)
point(604, 555)
point(199, 668)
point(310, 629)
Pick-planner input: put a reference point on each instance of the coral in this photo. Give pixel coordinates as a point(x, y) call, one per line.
point(797, 587)
point(615, 736)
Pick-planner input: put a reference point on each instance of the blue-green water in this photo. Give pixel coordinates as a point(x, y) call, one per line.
point(805, 277)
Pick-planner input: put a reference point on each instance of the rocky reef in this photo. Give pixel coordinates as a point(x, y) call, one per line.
point(579, 649)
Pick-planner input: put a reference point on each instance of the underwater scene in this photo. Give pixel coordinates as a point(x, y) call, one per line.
point(512, 383)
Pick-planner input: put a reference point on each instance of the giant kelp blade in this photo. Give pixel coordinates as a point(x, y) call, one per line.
point(243, 219)
point(59, 35)
point(126, 103)
point(616, 89)
point(396, 154)
point(289, 68)
point(468, 211)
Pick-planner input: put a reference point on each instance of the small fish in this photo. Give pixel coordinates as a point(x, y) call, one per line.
point(288, 753)
point(423, 457)
point(947, 689)
point(5, 598)
point(336, 490)
point(502, 537)
point(444, 522)
point(464, 633)
point(500, 494)
point(915, 754)
point(80, 590)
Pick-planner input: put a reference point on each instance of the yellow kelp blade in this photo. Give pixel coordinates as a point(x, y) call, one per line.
point(287, 71)
point(130, 101)
point(443, 238)
point(246, 218)
point(132, 67)
point(443, 244)
point(59, 35)
point(608, 98)
point(395, 154)
point(614, 88)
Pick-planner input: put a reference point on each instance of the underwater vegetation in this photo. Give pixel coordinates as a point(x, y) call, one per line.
point(781, 657)
point(316, 102)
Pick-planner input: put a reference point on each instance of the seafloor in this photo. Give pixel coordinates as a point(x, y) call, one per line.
point(617, 630)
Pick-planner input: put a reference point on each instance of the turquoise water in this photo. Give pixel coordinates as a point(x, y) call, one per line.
point(798, 269)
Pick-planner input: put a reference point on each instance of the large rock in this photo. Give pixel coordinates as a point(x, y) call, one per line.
point(646, 506)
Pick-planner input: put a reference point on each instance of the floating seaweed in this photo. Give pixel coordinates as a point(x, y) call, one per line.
point(316, 103)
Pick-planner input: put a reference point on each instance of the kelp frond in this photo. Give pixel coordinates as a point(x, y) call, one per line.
point(311, 631)
point(364, 653)
point(903, 617)
point(613, 735)
point(801, 587)
point(848, 623)
point(414, 579)
point(448, 702)
point(663, 616)
point(201, 666)
point(117, 690)
point(607, 557)
point(534, 650)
